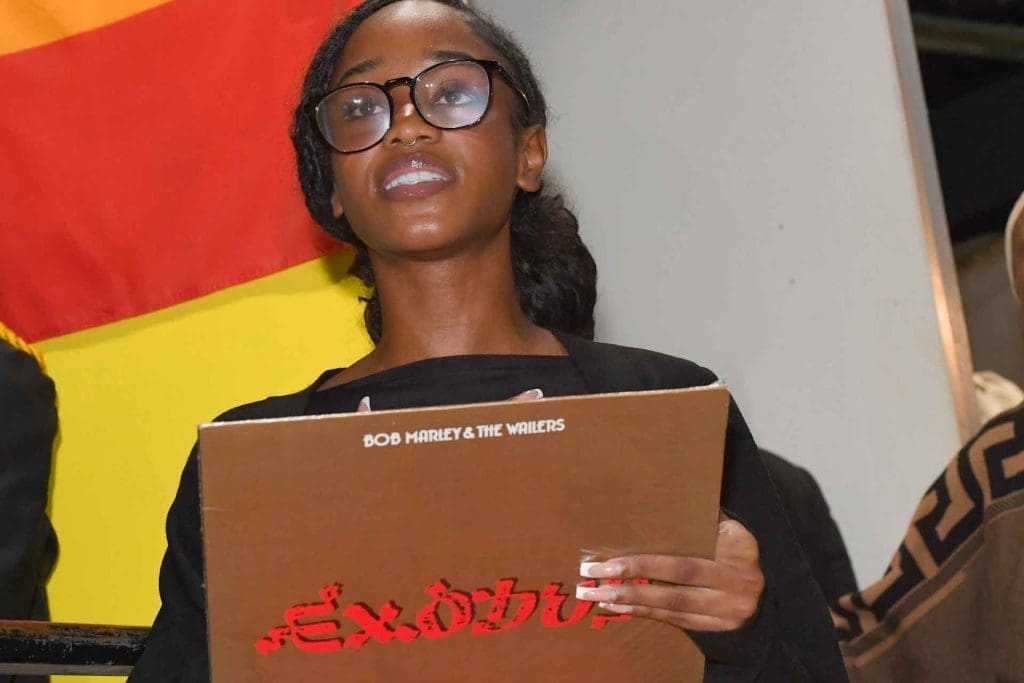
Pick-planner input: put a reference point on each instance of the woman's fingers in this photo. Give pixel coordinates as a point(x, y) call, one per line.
point(528, 395)
point(688, 621)
point(691, 592)
point(736, 549)
point(736, 546)
point(688, 571)
point(690, 607)
point(725, 609)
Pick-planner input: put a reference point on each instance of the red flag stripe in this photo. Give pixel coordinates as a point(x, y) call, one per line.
point(147, 162)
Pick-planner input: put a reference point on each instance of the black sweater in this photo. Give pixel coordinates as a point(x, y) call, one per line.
point(791, 639)
point(28, 544)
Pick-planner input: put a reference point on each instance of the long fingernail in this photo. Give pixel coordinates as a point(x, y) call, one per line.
point(618, 609)
point(591, 594)
point(601, 570)
point(533, 394)
point(364, 405)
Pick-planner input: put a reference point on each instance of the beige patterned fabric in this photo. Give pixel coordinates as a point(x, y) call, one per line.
point(951, 606)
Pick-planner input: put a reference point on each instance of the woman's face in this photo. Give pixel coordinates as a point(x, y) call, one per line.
point(472, 173)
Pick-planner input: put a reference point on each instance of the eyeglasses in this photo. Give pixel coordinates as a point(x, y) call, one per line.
point(448, 95)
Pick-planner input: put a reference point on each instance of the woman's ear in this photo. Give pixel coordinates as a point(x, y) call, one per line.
point(533, 154)
point(336, 206)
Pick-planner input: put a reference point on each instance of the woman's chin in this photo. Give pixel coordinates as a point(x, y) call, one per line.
point(422, 243)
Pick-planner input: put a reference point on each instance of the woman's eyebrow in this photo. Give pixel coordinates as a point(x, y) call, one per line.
point(371, 64)
point(360, 68)
point(450, 55)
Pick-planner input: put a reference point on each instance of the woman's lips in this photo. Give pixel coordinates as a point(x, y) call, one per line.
point(415, 176)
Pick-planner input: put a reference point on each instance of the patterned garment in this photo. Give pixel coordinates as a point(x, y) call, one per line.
point(951, 606)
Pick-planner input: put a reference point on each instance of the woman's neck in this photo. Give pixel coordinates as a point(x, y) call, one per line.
point(466, 304)
point(462, 305)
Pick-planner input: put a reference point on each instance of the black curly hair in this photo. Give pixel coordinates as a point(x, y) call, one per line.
point(555, 274)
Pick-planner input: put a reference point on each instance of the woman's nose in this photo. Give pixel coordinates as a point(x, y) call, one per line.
point(407, 126)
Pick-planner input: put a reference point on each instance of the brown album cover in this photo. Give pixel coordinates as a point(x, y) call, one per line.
point(443, 544)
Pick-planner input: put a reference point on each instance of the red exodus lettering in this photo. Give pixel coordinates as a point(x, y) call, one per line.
point(302, 633)
point(377, 627)
point(275, 638)
point(526, 604)
point(602, 620)
point(551, 613)
point(323, 635)
point(459, 604)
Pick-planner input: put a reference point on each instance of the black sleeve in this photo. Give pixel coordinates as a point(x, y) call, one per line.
point(832, 565)
point(815, 529)
point(791, 638)
point(176, 650)
point(28, 426)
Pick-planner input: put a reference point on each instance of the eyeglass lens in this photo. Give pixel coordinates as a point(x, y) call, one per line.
point(451, 95)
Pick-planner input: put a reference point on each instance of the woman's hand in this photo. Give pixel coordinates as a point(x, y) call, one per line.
point(689, 592)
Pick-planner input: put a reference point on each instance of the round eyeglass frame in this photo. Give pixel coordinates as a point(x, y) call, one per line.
point(490, 67)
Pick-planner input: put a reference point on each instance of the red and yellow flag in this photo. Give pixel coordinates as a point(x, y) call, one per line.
point(148, 159)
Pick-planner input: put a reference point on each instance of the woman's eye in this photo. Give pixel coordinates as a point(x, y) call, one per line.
point(357, 109)
point(455, 95)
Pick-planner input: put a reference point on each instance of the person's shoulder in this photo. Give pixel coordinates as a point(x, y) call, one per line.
point(650, 369)
point(662, 363)
point(796, 486)
point(22, 377)
point(780, 468)
point(282, 405)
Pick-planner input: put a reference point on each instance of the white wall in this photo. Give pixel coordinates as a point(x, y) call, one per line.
point(745, 176)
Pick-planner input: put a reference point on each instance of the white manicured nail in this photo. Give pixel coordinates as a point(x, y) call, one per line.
point(583, 591)
point(618, 609)
point(600, 570)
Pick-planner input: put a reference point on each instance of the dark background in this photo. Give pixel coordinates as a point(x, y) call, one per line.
point(971, 54)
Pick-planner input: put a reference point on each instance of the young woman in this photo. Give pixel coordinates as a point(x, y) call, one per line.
point(421, 140)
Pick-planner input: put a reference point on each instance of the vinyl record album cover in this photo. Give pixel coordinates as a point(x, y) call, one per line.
point(444, 544)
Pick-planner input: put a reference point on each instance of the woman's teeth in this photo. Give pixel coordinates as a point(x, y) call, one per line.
point(414, 178)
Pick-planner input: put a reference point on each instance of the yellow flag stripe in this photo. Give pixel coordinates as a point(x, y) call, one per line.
point(26, 24)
